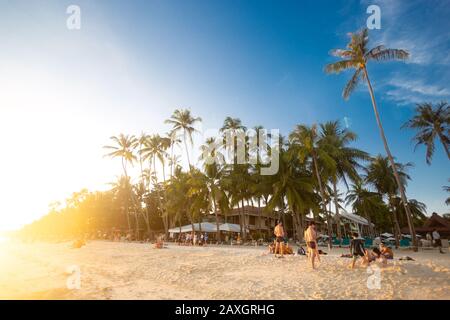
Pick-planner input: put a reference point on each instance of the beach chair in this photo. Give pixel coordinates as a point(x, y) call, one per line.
point(345, 242)
point(368, 243)
point(404, 244)
point(336, 242)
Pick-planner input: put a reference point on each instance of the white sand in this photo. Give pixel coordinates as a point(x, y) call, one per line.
point(111, 270)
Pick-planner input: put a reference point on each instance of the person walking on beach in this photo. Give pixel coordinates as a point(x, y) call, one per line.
point(437, 240)
point(311, 243)
point(279, 238)
point(357, 250)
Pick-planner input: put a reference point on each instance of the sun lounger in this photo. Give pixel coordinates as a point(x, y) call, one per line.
point(336, 242)
point(405, 244)
point(345, 242)
point(368, 243)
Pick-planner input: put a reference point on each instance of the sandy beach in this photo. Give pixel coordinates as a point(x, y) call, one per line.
point(112, 270)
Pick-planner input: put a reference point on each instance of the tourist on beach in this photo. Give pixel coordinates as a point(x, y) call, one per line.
point(279, 238)
point(205, 238)
point(311, 243)
point(357, 250)
point(437, 240)
point(375, 255)
point(195, 239)
point(386, 251)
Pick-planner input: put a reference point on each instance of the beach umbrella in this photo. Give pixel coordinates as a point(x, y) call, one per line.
point(387, 235)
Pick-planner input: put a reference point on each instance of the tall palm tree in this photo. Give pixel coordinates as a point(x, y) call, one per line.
point(293, 188)
point(231, 128)
point(335, 140)
point(431, 122)
point(356, 56)
point(306, 142)
point(213, 170)
point(124, 148)
point(155, 147)
point(381, 176)
point(182, 120)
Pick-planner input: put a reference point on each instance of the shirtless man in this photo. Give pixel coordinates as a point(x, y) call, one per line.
point(311, 243)
point(279, 234)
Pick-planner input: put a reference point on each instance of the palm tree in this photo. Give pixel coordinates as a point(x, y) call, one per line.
point(182, 120)
point(155, 148)
point(364, 201)
point(213, 167)
point(124, 148)
point(335, 140)
point(431, 122)
point(306, 142)
point(293, 188)
point(232, 127)
point(381, 176)
point(356, 56)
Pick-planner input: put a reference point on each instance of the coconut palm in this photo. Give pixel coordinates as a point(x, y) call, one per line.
point(155, 148)
point(335, 140)
point(233, 128)
point(124, 148)
point(356, 56)
point(364, 201)
point(379, 174)
point(213, 170)
point(305, 140)
point(431, 122)
point(293, 188)
point(182, 120)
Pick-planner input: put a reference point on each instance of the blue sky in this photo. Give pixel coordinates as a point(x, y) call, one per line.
point(133, 62)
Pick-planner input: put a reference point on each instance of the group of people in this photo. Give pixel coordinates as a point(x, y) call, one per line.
point(281, 245)
point(380, 254)
point(193, 239)
point(377, 254)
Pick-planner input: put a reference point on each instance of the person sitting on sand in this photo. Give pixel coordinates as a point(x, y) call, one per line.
point(375, 255)
point(386, 251)
point(311, 243)
point(279, 234)
point(357, 250)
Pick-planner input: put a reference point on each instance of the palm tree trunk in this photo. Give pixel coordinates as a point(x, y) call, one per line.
point(336, 204)
point(124, 167)
point(187, 150)
point(244, 223)
point(370, 223)
point(159, 199)
point(165, 213)
point(394, 168)
point(217, 221)
point(322, 195)
point(397, 230)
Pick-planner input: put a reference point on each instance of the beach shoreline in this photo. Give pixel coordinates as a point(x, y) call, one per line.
point(119, 270)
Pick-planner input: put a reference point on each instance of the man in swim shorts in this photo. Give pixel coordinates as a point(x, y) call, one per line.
point(279, 238)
